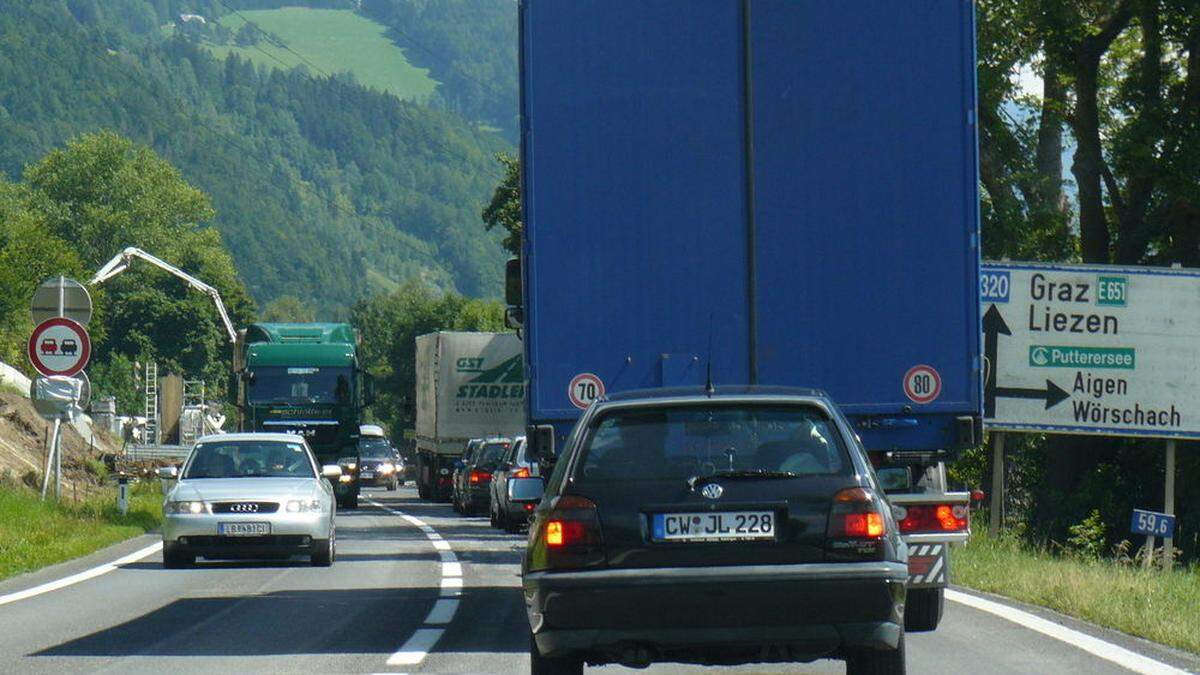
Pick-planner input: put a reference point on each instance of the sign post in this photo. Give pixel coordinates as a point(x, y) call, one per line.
point(1093, 349)
point(996, 517)
point(59, 348)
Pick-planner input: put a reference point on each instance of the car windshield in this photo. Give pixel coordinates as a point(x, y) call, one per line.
point(250, 459)
point(491, 453)
point(296, 384)
point(374, 448)
point(685, 442)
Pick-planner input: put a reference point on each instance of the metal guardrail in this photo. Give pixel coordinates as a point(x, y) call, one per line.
point(151, 452)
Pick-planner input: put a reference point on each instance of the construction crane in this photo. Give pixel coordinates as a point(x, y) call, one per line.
point(121, 261)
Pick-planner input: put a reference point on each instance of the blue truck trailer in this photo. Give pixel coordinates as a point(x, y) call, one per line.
point(775, 192)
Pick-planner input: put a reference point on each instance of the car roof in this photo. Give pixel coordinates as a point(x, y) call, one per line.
point(248, 436)
point(718, 392)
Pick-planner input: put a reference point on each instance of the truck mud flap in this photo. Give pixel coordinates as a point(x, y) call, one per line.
point(928, 566)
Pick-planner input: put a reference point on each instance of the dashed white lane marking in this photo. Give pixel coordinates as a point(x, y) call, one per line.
point(418, 646)
point(1095, 646)
point(81, 576)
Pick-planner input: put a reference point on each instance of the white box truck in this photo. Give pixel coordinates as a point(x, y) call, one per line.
point(469, 385)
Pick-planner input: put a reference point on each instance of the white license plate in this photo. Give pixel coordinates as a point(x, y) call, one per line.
point(244, 529)
point(719, 526)
point(368, 474)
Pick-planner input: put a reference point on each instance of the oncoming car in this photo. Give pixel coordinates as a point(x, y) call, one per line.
point(249, 496)
point(717, 528)
point(379, 465)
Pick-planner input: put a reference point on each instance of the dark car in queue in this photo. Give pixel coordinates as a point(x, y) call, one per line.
point(722, 528)
point(473, 475)
point(379, 464)
point(511, 502)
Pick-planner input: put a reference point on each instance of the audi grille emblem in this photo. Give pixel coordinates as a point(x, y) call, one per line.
point(249, 507)
point(712, 491)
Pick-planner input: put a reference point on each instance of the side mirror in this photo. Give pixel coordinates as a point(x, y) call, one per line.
point(459, 464)
point(512, 282)
point(168, 472)
point(514, 317)
point(540, 444)
point(249, 377)
point(331, 471)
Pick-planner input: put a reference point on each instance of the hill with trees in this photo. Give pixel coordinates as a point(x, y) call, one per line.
point(323, 190)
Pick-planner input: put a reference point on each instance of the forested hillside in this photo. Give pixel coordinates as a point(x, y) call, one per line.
point(323, 190)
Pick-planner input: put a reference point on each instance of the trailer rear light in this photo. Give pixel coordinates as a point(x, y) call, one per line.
point(568, 537)
point(933, 518)
point(480, 477)
point(522, 472)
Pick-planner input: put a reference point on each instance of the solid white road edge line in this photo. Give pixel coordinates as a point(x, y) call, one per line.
point(1095, 646)
point(417, 647)
point(81, 576)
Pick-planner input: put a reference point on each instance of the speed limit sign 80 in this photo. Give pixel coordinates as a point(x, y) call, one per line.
point(922, 384)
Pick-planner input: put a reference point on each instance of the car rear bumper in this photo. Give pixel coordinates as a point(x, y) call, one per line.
point(717, 615)
point(478, 496)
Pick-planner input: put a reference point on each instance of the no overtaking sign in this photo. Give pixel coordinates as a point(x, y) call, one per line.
point(59, 346)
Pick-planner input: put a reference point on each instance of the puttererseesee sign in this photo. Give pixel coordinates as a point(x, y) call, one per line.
point(1091, 349)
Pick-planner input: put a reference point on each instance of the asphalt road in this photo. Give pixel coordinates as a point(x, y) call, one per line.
point(402, 586)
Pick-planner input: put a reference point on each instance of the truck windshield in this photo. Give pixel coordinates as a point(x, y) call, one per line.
point(300, 384)
point(683, 442)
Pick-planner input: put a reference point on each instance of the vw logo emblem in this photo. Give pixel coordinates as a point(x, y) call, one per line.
point(249, 507)
point(712, 491)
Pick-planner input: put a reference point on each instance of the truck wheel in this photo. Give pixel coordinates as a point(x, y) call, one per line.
point(541, 665)
point(875, 662)
point(923, 609)
point(422, 490)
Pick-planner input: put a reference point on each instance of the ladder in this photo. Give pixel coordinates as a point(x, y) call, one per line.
point(151, 409)
point(191, 422)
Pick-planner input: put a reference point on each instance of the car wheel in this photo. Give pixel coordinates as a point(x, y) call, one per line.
point(541, 665)
point(324, 552)
point(492, 517)
point(923, 609)
point(875, 662)
point(173, 560)
point(511, 525)
point(350, 502)
point(393, 485)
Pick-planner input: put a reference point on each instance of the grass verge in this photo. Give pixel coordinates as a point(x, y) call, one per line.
point(1158, 606)
point(34, 534)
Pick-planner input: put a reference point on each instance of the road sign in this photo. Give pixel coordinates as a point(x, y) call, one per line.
point(60, 296)
point(54, 396)
point(1091, 349)
point(922, 384)
point(59, 346)
point(585, 388)
point(1152, 524)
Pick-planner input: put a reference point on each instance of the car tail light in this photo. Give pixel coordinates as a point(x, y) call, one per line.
point(522, 472)
point(530, 506)
point(568, 535)
point(856, 515)
point(480, 477)
point(933, 518)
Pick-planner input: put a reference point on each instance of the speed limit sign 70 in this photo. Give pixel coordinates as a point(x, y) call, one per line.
point(585, 388)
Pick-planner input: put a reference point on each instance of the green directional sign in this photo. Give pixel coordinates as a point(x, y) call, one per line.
point(1053, 356)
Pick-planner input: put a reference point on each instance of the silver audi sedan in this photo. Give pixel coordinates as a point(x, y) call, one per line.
point(249, 496)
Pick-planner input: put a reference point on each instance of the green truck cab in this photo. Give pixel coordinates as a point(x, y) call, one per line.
point(305, 378)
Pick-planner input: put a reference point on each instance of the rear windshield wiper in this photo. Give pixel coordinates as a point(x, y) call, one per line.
point(746, 474)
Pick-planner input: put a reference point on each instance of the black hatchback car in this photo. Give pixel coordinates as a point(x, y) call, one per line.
point(734, 527)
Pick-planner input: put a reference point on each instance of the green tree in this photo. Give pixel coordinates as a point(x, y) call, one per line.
point(389, 324)
point(288, 308)
point(504, 210)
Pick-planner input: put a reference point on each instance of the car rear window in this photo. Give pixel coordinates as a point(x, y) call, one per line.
point(491, 453)
point(678, 442)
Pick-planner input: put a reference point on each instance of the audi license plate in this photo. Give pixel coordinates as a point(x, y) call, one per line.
point(722, 526)
point(368, 474)
point(244, 529)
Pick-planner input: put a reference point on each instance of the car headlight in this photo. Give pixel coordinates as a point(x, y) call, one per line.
point(348, 463)
point(387, 467)
point(303, 505)
point(185, 507)
point(345, 478)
